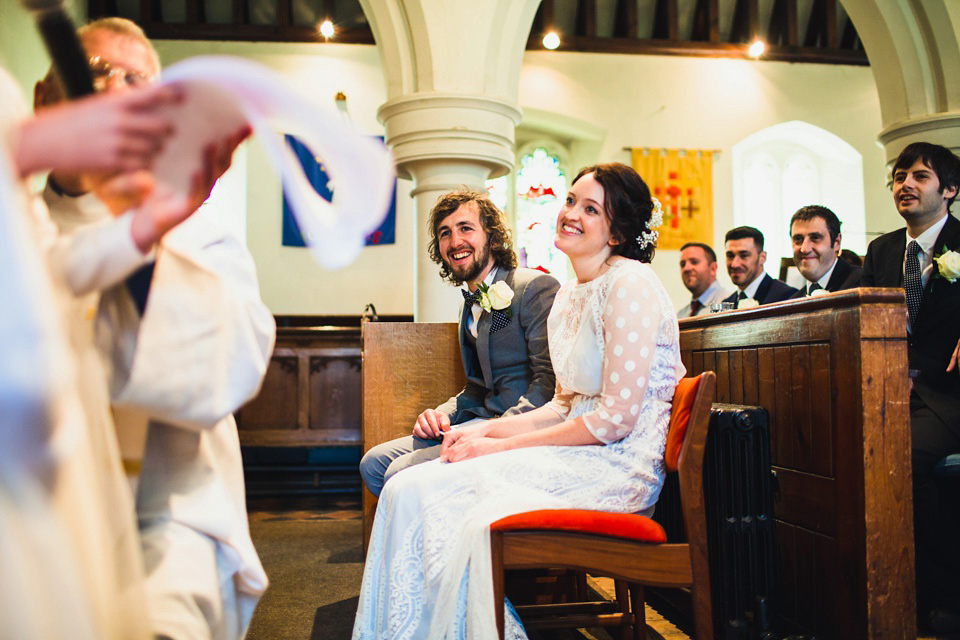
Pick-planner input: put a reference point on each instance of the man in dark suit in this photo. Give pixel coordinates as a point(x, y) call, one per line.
point(815, 235)
point(745, 258)
point(503, 340)
point(925, 182)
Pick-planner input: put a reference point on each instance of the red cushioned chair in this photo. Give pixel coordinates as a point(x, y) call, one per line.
point(630, 548)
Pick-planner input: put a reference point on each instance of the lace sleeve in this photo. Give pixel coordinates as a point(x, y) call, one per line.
point(631, 317)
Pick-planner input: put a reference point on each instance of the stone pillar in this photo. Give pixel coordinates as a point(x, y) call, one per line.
point(452, 68)
point(914, 51)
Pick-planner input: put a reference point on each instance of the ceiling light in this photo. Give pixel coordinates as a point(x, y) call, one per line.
point(551, 40)
point(757, 48)
point(326, 29)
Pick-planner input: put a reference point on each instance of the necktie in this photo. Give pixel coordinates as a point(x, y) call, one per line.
point(138, 284)
point(742, 296)
point(470, 298)
point(912, 282)
point(813, 287)
point(695, 306)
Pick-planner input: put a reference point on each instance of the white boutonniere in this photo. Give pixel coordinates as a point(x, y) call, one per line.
point(948, 265)
point(748, 303)
point(818, 292)
point(496, 297)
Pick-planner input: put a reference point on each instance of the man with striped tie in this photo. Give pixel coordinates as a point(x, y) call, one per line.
point(925, 182)
point(698, 269)
point(815, 235)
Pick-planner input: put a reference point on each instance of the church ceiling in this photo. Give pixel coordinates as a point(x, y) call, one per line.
point(793, 30)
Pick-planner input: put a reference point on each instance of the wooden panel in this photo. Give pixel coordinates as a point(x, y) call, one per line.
point(397, 387)
point(275, 407)
point(335, 396)
point(311, 393)
point(831, 372)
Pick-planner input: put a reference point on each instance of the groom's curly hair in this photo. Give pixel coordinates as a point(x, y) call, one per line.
point(494, 222)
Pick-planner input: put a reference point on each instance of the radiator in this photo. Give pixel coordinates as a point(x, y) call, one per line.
point(738, 489)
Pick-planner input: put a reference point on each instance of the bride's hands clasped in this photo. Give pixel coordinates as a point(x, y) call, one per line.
point(469, 442)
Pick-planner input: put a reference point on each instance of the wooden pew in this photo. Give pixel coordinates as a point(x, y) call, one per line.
point(832, 372)
point(407, 367)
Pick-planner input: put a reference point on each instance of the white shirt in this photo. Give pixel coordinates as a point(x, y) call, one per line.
point(751, 289)
point(476, 309)
point(714, 293)
point(824, 279)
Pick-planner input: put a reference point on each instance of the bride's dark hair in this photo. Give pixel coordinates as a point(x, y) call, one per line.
point(628, 207)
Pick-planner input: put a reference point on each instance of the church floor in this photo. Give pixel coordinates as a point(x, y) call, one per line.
point(311, 550)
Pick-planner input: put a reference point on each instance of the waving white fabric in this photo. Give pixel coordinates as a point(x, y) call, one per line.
point(428, 572)
point(222, 93)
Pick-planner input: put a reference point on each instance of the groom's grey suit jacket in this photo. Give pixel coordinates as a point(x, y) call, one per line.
point(508, 370)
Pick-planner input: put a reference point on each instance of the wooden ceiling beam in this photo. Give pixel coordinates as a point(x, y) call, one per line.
point(822, 26)
point(625, 19)
point(706, 21)
point(329, 10)
point(284, 13)
point(196, 13)
point(783, 23)
point(665, 20)
point(543, 21)
point(746, 21)
point(586, 24)
point(850, 38)
point(241, 12)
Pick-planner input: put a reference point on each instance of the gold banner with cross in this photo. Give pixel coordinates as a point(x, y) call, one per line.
point(682, 180)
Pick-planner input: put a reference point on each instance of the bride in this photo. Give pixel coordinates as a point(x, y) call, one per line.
point(597, 445)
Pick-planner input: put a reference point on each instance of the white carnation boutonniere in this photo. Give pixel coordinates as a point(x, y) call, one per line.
point(818, 292)
point(495, 298)
point(948, 265)
point(748, 303)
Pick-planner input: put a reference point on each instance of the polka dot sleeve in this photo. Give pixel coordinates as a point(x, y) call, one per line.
point(631, 318)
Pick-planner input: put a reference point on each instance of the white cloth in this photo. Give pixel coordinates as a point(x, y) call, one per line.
point(71, 567)
point(428, 571)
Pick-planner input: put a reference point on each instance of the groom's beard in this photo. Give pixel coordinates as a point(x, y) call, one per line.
point(470, 271)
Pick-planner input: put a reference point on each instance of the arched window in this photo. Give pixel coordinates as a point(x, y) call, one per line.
point(787, 166)
point(541, 186)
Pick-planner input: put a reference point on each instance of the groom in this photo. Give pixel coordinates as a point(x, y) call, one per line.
point(503, 340)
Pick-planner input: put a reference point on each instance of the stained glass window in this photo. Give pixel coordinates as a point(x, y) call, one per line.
point(541, 186)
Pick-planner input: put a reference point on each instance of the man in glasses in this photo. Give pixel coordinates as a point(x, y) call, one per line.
point(187, 340)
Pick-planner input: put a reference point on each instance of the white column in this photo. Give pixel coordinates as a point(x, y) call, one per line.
point(914, 51)
point(452, 70)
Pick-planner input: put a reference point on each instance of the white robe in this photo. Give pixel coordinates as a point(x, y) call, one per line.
point(71, 566)
point(198, 353)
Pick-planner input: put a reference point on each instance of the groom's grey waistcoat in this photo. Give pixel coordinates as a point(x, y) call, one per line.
point(508, 371)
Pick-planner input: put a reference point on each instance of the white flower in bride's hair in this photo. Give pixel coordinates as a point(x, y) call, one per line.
point(656, 216)
point(948, 265)
point(747, 303)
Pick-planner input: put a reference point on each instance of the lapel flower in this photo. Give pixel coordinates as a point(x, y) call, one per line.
point(818, 292)
point(948, 265)
point(748, 303)
point(496, 297)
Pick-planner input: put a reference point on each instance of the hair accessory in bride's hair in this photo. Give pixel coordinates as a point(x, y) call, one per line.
point(649, 238)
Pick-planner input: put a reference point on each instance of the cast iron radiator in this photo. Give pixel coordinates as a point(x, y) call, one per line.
point(738, 488)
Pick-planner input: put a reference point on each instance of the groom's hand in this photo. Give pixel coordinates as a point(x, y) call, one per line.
point(431, 424)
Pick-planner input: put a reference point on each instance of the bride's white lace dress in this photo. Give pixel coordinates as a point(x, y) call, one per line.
point(615, 351)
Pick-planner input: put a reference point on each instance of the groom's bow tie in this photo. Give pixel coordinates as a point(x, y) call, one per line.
point(470, 298)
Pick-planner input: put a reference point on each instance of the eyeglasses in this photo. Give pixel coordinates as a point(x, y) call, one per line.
point(104, 74)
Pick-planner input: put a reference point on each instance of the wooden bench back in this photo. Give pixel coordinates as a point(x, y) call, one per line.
point(407, 367)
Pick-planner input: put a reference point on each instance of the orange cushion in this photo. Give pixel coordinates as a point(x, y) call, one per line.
point(619, 525)
point(679, 419)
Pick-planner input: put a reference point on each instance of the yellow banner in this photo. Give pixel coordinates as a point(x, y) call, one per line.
point(682, 180)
